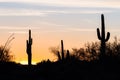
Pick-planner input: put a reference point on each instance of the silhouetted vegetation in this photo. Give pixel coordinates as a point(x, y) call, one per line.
point(5, 50)
point(90, 52)
point(5, 54)
point(79, 64)
point(85, 63)
point(61, 55)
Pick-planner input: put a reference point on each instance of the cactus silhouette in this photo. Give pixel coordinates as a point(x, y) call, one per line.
point(62, 49)
point(68, 55)
point(102, 36)
point(59, 57)
point(62, 56)
point(28, 50)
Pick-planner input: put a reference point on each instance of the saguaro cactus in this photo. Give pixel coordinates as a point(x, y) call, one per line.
point(63, 55)
point(102, 36)
point(29, 48)
point(62, 49)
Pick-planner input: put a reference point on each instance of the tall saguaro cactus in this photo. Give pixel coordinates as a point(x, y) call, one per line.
point(29, 48)
point(102, 36)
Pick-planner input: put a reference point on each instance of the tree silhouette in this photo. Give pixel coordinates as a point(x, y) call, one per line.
point(88, 53)
point(55, 51)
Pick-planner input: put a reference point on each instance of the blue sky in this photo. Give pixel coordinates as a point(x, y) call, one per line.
point(57, 13)
point(74, 21)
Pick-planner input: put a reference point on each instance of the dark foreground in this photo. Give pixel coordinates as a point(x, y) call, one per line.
point(67, 70)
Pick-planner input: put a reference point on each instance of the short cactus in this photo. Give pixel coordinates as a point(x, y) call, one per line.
point(68, 55)
point(29, 48)
point(58, 54)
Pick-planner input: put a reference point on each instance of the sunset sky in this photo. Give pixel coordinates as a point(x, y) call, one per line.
point(74, 21)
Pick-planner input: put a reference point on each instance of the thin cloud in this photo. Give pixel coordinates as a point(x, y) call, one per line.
point(43, 13)
point(21, 12)
point(88, 11)
point(46, 7)
point(71, 3)
point(17, 28)
point(18, 32)
point(81, 30)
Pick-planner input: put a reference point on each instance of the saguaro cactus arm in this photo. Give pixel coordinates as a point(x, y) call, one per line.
point(108, 36)
point(27, 46)
point(98, 33)
point(58, 54)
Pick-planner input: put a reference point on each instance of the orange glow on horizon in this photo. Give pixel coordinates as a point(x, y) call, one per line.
point(26, 62)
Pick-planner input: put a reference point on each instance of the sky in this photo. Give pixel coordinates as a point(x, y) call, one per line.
point(73, 21)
